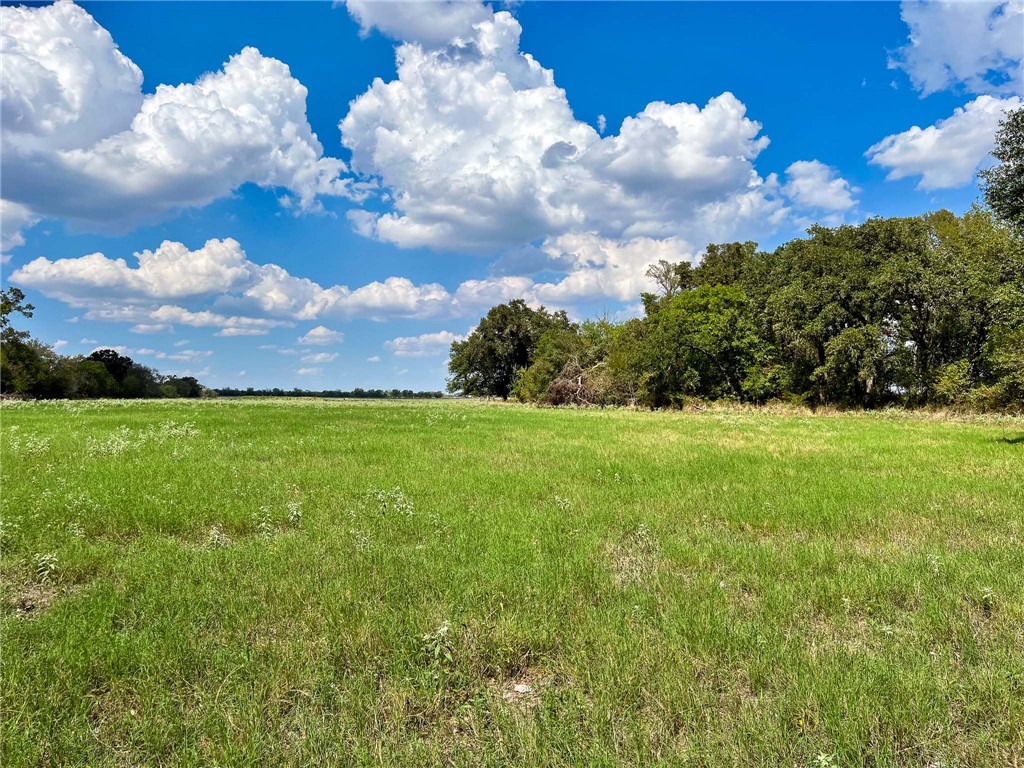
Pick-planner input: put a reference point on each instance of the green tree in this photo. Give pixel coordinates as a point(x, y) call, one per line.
point(487, 362)
point(1003, 184)
point(13, 300)
point(705, 343)
point(117, 365)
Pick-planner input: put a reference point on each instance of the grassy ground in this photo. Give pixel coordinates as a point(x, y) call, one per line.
point(316, 583)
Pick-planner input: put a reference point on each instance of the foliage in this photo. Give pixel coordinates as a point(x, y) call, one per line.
point(488, 361)
point(1004, 183)
point(926, 310)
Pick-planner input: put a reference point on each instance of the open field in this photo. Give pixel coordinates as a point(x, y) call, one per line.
point(317, 583)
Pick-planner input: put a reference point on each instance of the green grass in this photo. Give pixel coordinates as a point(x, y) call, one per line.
point(726, 588)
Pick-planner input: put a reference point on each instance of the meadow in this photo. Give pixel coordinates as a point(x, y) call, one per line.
point(302, 582)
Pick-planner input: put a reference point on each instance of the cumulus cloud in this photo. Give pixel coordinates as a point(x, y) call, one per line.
point(948, 153)
point(977, 45)
point(172, 271)
point(82, 142)
point(112, 289)
point(321, 336)
point(424, 345)
point(13, 219)
point(429, 23)
point(170, 313)
point(813, 184)
point(373, 359)
point(310, 371)
point(479, 150)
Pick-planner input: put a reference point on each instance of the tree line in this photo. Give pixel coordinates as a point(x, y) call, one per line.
point(29, 368)
point(917, 311)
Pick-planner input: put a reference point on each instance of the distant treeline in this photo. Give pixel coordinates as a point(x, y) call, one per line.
point(357, 393)
point(29, 368)
point(921, 311)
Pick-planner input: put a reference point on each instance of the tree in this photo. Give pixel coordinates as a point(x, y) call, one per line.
point(503, 343)
point(13, 300)
point(705, 343)
point(117, 365)
point(724, 264)
point(1003, 184)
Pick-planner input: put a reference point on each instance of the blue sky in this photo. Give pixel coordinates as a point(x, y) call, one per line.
point(548, 151)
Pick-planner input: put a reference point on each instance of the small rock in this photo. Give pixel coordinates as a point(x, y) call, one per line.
point(523, 688)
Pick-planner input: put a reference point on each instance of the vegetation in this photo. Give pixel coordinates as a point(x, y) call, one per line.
point(922, 311)
point(30, 368)
point(1004, 182)
point(288, 582)
point(503, 343)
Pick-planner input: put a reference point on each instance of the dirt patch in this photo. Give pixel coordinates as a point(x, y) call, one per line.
point(524, 689)
point(27, 601)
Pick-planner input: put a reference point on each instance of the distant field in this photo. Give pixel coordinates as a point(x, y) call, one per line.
point(421, 583)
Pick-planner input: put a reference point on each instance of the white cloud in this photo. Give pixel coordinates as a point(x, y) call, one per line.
point(373, 359)
point(206, 319)
point(59, 344)
point(82, 142)
point(186, 355)
point(978, 45)
point(479, 150)
point(229, 332)
point(310, 371)
point(429, 23)
point(320, 357)
point(321, 336)
point(813, 184)
point(170, 272)
point(604, 268)
point(602, 123)
point(424, 345)
point(150, 328)
point(13, 219)
point(88, 341)
point(948, 153)
point(181, 343)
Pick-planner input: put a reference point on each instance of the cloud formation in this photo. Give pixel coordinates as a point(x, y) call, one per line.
point(948, 153)
point(815, 185)
point(83, 143)
point(977, 46)
point(479, 150)
point(321, 336)
point(424, 345)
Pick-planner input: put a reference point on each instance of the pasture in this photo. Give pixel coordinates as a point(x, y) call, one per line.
point(295, 582)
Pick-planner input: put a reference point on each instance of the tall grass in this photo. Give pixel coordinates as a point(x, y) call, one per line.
point(321, 582)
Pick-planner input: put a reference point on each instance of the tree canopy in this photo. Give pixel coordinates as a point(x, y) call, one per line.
point(1004, 183)
point(925, 310)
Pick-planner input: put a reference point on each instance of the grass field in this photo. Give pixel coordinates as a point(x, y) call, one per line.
point(456, 583)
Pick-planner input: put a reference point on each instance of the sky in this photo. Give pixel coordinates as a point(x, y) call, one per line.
point(325, 196)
